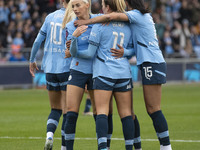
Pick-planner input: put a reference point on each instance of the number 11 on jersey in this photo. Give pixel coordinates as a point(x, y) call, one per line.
point(116, 38)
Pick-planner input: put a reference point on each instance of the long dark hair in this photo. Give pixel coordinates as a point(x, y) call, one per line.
point(67, 1)
point(139, 5)
point(111, 3)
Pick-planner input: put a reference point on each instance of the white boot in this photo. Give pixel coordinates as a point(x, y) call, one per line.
point(168, 147)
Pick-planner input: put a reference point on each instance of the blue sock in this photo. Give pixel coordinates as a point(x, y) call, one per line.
point(102, 131)
point(128, 131)
point(53, 120)
point(87, 106)
point(137, 138)
point(63, 130)
point(70, 129)
point(161, 127)
point(110, 130)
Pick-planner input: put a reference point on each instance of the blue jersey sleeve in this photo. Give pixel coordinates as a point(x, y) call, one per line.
point(95, 35)
point(73, 46)
point(70, 30)
point(87, 54)
point(133, 16)
point(36, 45)
point(43, 29)
point(129, 51)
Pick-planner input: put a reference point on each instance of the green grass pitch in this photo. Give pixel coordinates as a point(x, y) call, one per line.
point(23, 116)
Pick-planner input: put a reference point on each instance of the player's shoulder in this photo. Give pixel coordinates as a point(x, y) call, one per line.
point(134, 11)
point(98, 27)
point(95, 15)
point(70, 25)
point(50, 16)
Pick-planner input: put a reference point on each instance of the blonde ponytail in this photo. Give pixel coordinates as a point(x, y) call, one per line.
point(69, 15)
point(90, 3)
point(121, 5)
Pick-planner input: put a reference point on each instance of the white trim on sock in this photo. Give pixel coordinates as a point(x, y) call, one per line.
point(63, 148)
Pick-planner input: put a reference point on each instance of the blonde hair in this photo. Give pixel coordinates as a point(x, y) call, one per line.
point(116, 5)
point(90, 3)
point(69, 15)
point(121, 5)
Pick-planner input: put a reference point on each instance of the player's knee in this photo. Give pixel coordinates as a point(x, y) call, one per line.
point(56, 106)
point(72, 109)
point(124, 114)
point(152, 109)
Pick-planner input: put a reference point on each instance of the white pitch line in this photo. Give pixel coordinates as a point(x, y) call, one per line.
point(89, 139)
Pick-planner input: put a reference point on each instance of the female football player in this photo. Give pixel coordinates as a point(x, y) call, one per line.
point(149, 59)
point(55, 67)
point(80, 71)
point(111, 76)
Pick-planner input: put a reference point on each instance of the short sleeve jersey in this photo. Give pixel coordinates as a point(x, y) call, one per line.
point(144, 38)
point(106, 37)
point(54, 48)
point(81, 64)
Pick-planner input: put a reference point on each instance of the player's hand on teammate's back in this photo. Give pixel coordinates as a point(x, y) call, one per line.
point(32, 68)
point(118, 53)
point(67, 53)
point(80, 30)
point(68, 43)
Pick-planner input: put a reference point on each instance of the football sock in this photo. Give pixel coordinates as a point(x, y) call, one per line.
point(128, 131)
point(161, 127)
point(70, 129)
point(137, 138)
point(63, 131)
point(102, 131)
point(87, 105)
point(110, 130)
point(95, 117)
point(53, 121)
point(63, 148)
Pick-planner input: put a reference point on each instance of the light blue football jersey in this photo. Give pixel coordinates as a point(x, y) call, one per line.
point(106, 37)
point(54, 48)
point(144, 38)
point(81, 64)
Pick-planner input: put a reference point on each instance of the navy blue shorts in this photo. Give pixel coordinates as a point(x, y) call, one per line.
point(57, 82)
point(80, 79)
point(153, 73)
point(115, 85)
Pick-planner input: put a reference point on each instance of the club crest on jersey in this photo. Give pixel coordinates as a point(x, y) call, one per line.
point(85, 38)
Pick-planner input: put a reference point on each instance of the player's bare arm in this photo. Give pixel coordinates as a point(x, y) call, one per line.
point(104, 18)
